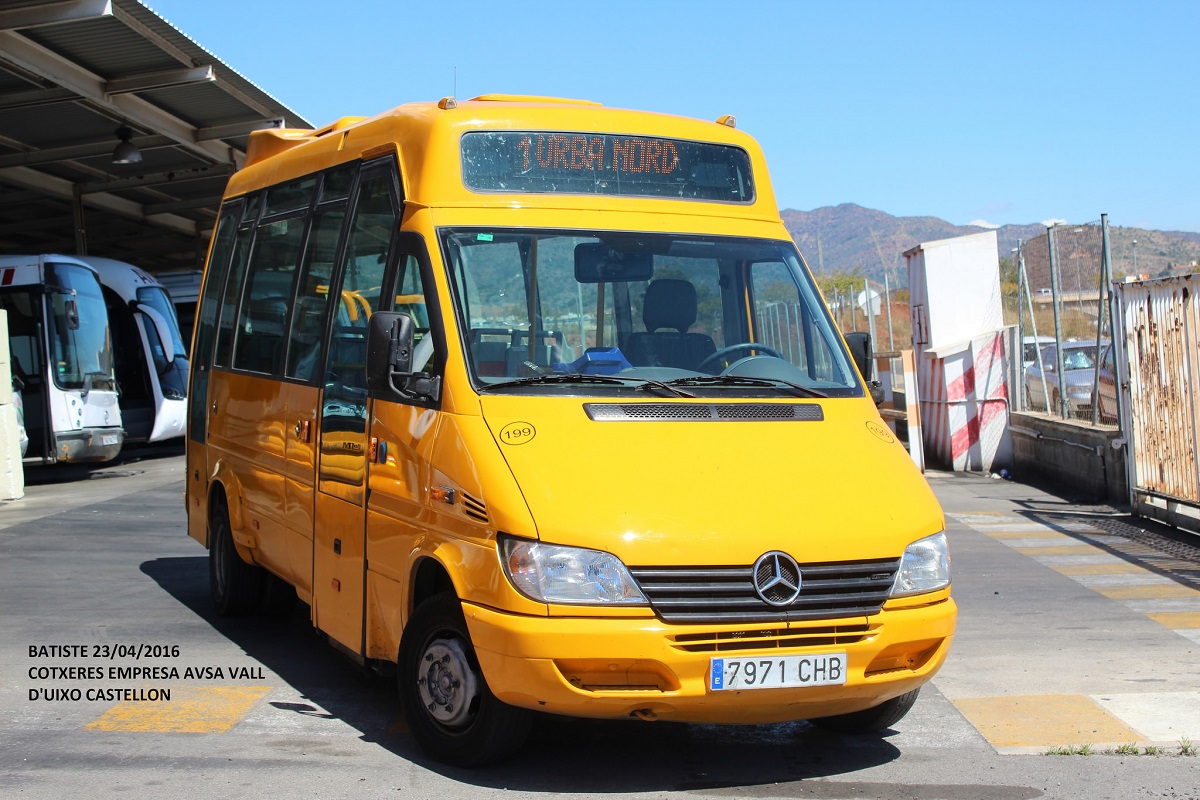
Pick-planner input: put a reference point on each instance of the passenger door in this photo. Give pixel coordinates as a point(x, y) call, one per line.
point(339, 541)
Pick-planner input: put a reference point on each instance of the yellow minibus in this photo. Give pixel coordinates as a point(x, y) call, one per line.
point(536, 402)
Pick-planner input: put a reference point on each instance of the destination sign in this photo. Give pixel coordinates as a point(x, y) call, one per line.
point(606, 164)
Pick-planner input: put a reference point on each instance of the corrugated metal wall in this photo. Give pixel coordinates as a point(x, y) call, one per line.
point(1160, 402)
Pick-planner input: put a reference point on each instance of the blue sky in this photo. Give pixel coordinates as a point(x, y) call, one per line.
point(1006, 112)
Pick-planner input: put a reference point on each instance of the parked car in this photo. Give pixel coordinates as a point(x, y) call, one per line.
point(1079, 366)
point(1029, 348)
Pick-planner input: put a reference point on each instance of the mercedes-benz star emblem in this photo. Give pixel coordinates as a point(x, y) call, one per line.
point(777, 578)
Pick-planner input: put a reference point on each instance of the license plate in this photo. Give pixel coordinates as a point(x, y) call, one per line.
point(780, 672)
point(107, 439)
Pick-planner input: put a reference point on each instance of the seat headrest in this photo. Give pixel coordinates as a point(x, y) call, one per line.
point(669, 303)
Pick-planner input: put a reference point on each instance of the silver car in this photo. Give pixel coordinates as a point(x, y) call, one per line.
point(1079, 367)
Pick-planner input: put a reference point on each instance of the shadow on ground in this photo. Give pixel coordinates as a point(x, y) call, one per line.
point(562, 755)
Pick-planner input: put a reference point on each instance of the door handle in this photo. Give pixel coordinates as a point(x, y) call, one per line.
point(303, 430)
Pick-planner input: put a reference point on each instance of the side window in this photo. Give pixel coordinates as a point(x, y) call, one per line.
point(410, 298)
point(214, 286)
point(311, 311)
point(263, 318)
point(231, 296)
point(355, 296)
point(360, 288)
point(786, 324)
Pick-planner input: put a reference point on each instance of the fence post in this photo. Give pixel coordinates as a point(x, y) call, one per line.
point(1058, 354)
point(1104, 273)
point(887, 298)
point(1037, 346)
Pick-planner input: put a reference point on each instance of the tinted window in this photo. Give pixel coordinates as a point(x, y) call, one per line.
point(263, 318)
point(311, 311)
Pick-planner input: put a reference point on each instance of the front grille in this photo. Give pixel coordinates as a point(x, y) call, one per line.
point(726, 594)
point(774, 638)
point(704, 412)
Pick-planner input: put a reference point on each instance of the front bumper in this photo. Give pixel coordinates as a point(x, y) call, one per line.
point(88, 444)
point(616, 668)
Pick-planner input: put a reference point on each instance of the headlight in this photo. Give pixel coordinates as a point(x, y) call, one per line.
point(924, 568)
point(552, 574)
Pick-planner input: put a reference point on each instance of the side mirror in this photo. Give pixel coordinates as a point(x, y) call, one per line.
point(389, 359)
point(859, 343)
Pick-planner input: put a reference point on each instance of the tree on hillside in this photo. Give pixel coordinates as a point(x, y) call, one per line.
point(841, 281)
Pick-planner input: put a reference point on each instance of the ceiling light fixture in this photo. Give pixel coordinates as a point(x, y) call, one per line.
point(126, 152)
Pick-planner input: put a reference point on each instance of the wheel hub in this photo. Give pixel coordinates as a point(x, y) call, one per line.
point(446, 683)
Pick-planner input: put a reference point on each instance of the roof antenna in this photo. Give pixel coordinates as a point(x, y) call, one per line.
point(455, 92)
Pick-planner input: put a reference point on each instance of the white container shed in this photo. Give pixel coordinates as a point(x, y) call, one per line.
point(957, 321)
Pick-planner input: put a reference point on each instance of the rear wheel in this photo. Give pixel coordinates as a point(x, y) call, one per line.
point(870, 720)
point(235, 585)
point(452, 714)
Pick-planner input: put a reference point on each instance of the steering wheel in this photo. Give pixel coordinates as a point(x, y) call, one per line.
point(748, 347)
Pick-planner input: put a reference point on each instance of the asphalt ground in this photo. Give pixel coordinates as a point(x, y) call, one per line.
point(1079, 632)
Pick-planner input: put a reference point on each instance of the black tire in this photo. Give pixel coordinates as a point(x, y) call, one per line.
point(236, 586)
point(870, 720)
point(437, 663)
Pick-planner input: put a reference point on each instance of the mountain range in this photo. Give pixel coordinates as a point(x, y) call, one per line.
point(840, 238)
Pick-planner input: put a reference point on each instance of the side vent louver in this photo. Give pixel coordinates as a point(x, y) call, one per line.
point(473, 508)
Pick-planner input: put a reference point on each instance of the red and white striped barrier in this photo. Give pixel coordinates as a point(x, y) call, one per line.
point(964, 405)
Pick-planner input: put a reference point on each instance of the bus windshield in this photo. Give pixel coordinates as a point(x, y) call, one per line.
point(80, 346)
point(712, 316)
point(172, 375)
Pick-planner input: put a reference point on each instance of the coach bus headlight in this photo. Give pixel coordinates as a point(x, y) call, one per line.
point(553, 574)
point(924, 568)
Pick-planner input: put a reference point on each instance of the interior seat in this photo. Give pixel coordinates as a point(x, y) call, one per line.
point(668, 310)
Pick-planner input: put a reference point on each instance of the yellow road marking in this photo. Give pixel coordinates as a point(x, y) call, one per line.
point(191, 709)
point(1062, 550)
point(1177, 620)
point(1053, 720)
point(1099, 569)
point(1152, 592)
point(1029, 534)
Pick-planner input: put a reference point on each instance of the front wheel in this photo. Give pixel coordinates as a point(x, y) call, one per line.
point(452, 714)
point(870, 720)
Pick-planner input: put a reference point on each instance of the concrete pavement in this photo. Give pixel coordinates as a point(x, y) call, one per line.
point(1077, 627)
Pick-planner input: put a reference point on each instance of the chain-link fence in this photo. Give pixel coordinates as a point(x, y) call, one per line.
point(1064, 320)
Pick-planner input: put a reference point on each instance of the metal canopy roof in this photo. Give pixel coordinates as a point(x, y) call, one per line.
point(71, 74)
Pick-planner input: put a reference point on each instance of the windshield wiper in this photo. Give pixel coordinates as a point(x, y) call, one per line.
point(742, 380)
point(579, 377)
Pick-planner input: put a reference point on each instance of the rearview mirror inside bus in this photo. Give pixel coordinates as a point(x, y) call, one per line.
point(71, 309)
point(599, 263)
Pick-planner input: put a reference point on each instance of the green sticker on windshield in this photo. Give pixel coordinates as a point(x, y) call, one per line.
point(484, 237)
